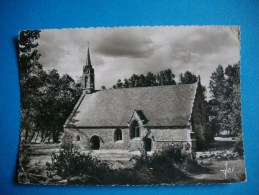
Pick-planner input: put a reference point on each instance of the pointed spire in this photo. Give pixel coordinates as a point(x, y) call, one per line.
point(88, 60)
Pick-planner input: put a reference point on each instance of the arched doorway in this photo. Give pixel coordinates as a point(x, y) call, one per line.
point(95, 142)
point(147, 144)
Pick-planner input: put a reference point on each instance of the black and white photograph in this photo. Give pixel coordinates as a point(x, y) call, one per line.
point(146, 105)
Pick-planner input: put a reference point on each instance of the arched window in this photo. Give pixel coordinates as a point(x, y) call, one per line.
point(117, 135)
point(134, 130)
point(78, 138)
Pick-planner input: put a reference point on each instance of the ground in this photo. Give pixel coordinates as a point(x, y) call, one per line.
point(218, 171)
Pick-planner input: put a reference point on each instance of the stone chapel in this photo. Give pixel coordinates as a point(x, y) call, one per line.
point(130, 118)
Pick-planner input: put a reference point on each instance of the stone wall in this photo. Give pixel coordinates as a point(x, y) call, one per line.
point(166, 136)
point(106, 136)
point(160, 137)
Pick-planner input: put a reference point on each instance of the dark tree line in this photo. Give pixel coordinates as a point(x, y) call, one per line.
point(224, 108)
point(165, 77)
point(47, 98)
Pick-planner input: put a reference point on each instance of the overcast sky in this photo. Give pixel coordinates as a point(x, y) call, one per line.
point(117, 53)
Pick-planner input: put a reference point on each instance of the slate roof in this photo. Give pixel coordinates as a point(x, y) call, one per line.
point(161, 105)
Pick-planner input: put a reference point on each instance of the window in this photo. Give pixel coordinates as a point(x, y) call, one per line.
point(78, 138)
point(134, 130)
point(86, 78)
point(117, 135)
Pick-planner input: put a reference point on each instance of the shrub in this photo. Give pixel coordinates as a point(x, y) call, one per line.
point(238, 146)
point(24, 157)
point(166, 166)
point(70, 163)
point(171, 163)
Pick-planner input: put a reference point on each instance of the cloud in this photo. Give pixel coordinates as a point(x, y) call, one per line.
point(120, 52)
point(125, 43)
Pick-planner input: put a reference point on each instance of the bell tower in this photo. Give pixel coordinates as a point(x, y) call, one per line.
point(88, 81)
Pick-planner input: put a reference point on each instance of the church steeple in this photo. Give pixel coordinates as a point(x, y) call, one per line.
point(88, 81)
point(88, 59)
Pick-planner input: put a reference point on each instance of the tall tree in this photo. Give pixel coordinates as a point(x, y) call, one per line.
point(233, 98)
point(30, 71)
point(224, 108)
point(217, 104)
point(58, 97)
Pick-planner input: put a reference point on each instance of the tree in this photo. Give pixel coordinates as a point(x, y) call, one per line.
point(58, 97)
point(225, 108)
point(233, 98)
point(151, 79)
point(30, 73)
point(166, 77)
point(188, 78)
point(126, 83)
point(217, 112)
point(118, 85)
point(134, 81)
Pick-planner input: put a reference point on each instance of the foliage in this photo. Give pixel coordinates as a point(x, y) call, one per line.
point(164, 77)
point(57, 99)
point(24, 156)
point(189, 78)
point(166, 166)
point(224, 108)
point(172, 161)
point(238, 146)
point(29, 80)
point(46, 98)
point(70, 163)
point(26, 172)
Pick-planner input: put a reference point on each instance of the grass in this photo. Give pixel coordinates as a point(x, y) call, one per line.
point(208, 172)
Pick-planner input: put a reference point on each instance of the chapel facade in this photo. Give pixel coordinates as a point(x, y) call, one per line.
point(130, 118)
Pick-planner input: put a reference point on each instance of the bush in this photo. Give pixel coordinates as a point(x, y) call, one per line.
point(171, 163)
point(166, 166)
point(77, 167)
point(238, 146)
point(24, 157)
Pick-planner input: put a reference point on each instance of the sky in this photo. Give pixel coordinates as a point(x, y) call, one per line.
point(117, 53)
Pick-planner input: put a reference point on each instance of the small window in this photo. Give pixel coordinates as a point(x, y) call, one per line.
point(78, 138)
point(134, 130)
point(117, 135)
